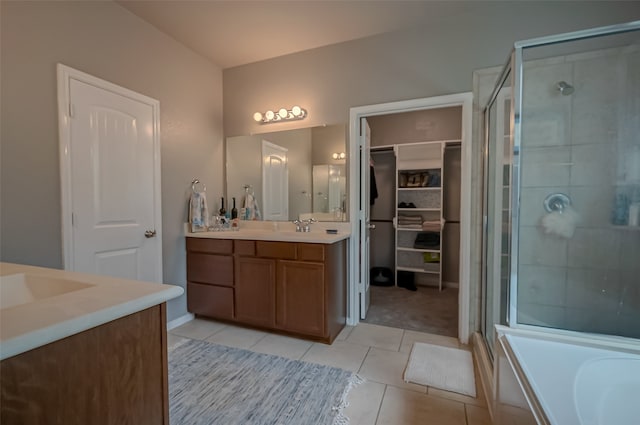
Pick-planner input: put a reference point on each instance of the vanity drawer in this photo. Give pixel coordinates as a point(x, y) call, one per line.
point(212, 246)
point(310, 252)
point(210, 269)
point(247, 248)
point(280, 250)
point(210, 300)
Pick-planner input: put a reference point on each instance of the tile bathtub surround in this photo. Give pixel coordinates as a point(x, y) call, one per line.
point(377, 353)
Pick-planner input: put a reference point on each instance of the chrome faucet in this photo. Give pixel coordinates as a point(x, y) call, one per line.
point(304, 225)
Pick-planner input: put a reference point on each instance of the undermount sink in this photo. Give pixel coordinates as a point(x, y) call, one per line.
point(607, 391)
point(22, 288)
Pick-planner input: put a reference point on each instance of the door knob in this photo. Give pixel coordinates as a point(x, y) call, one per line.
point(149, 233)
point(371, 226)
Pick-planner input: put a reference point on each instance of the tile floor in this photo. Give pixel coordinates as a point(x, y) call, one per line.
point(377, 353)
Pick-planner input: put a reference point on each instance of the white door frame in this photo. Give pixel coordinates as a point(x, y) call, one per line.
point(65, 74)
point(355, 114)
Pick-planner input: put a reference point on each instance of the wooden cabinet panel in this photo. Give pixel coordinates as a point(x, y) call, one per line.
point(210, 300)
point(255, 291)
point(115, 373)
point(211, 246)
point(246, 248)
point(300, 297)
point(209, 268)
point(310, 252)
point(280, 250)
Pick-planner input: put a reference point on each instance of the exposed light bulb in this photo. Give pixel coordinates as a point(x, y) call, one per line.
point(296, 111)
point(343, 155)
point(270, 115)
point(283, 113)
point(257, 117)
point(335, 155)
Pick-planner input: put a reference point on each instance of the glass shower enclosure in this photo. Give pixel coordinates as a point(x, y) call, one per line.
point(562, 186)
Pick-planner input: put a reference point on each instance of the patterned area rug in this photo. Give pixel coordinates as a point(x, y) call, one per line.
point(213, 384)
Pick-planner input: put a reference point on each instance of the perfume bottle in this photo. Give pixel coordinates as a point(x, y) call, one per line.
point(234, 210)
point(222, 211)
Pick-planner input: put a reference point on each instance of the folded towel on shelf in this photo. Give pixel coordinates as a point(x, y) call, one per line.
point(433, 225)
point(198, 212)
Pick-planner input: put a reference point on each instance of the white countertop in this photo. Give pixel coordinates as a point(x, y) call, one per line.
point(33, 324)
point(315, 236)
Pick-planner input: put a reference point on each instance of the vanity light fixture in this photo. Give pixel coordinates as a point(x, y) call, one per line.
point(283, 114)
point(338, 155)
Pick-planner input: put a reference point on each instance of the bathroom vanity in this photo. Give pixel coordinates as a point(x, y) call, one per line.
point(288, 282)
point(82, 349)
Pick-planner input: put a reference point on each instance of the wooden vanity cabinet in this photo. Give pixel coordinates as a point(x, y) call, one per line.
point(255, 291)
point(210, 278)
point(293, 287)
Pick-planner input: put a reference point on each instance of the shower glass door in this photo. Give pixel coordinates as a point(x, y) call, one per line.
point(497, 216)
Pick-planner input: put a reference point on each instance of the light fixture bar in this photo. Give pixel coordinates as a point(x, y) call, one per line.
point(283, 114)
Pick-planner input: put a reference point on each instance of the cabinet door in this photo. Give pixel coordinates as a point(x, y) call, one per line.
point(300, 297)
point(255, 291)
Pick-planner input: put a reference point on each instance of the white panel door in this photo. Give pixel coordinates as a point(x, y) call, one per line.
point(275, 182)
point(113, 191)
point(365, 209)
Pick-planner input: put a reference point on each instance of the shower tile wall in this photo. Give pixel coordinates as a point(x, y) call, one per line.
point(577, 144)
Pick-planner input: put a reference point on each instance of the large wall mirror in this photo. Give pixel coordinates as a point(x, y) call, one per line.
point(291, 174)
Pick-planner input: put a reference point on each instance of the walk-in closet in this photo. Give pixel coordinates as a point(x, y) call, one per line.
point(415, 208)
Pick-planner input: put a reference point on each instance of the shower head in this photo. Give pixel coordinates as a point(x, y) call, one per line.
point(564, 88)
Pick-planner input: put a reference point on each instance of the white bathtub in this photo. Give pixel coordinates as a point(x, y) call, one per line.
point(577, 381)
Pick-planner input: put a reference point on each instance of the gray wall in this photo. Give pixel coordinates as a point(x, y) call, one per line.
point(107, 41)
point(435, 59)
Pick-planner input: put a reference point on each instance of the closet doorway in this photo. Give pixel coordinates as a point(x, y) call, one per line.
point(417, 223)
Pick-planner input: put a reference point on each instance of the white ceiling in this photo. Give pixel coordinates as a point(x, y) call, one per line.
point(237, 32)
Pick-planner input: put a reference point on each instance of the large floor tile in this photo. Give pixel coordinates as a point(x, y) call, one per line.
point(198, 329)
point(411, 336)
point(478, 415)
point(376, 336)
point(340, 354)
point(410, 408)
point(283, 346)
point(364, 403)
point(174, 340)
point(344, 333)
point(233, 336)
point(387, 367)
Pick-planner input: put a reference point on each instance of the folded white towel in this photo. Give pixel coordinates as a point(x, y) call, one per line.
point(198, 212)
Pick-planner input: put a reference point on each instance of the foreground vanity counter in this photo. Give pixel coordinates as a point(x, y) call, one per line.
point(79, 348)
point(289, 282)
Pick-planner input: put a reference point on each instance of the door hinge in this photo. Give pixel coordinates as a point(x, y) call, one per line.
point(71, 110)
point(73, 219)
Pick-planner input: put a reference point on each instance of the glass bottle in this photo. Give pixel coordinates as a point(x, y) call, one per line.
point(222, 211)
point(234, 210)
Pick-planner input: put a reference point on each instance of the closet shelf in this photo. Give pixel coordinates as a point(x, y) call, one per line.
point(409, 229)
point(417, 250)
point(416, 270)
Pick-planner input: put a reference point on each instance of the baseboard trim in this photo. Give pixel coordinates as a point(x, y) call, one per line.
point(485, 366)
point(180, 321)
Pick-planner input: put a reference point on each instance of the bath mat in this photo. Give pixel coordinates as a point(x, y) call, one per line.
point(213, 384)
point(446, 368)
